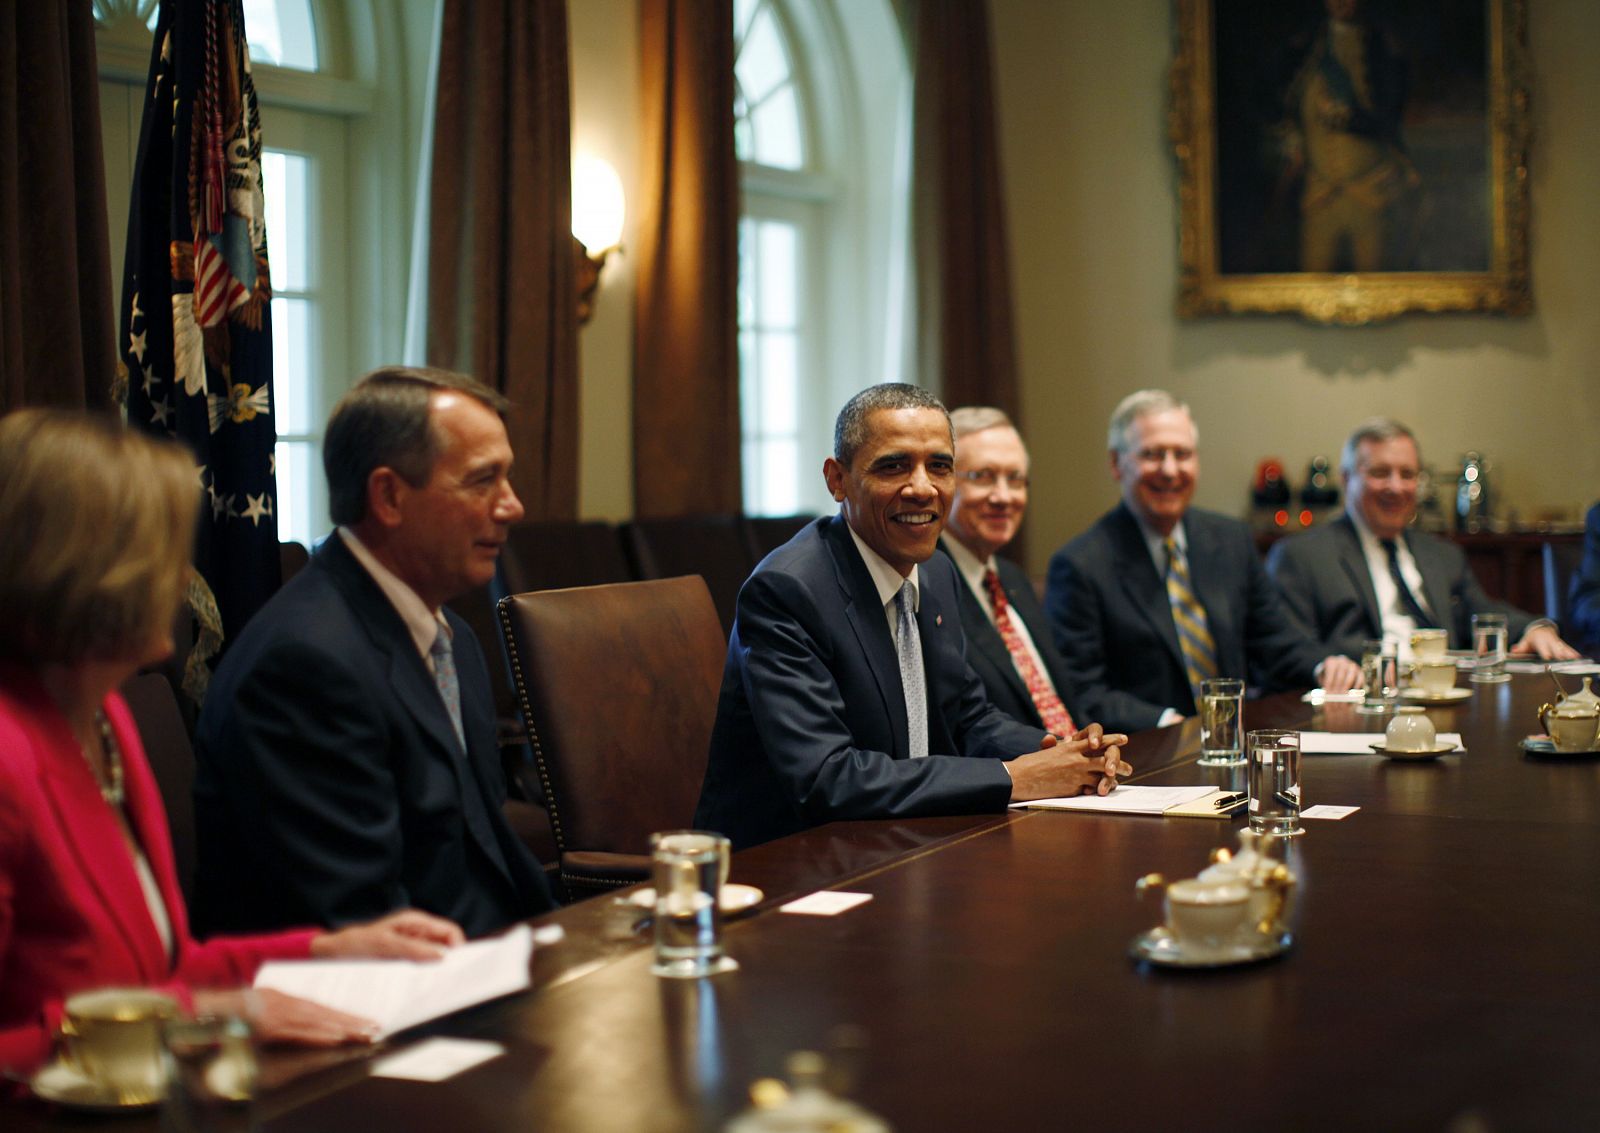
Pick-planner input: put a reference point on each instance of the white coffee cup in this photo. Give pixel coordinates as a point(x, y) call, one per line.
point(1429, 643)
point(113, 1036)
point(1410, 730)
point(1434, 675)
point(1208, 915)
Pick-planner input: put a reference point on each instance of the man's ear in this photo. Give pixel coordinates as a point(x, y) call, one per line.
point(386, 491)
point(833, 473)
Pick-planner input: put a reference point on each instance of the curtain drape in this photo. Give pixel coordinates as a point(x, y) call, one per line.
point(502, 298)
point(57, 338)
point(686, 364)
point(963, 273)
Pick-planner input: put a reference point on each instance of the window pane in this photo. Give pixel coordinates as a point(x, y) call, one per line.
point(780, 385)
point(779, 268)
point(294, 491)
point(749, 383)
point(780, 482)
point(293, 377)
point(762, 63)
point(742, 10)
point(747, 272)
point(281, 32)
point(284, 177)
point(776, 123)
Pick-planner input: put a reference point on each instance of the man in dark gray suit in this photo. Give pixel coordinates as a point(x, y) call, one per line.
point(1008, 639)
point(1367, 575)
point(847, 692)
point(1157, 596)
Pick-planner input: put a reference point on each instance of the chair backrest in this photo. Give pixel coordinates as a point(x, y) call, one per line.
point(556, 555)
point(166, 745)
point(292, 559)
point(713, 546)
point(618, 685)
point(766, 533)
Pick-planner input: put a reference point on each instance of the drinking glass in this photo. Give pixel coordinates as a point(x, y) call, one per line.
point(1489, 646)
point(1274, 782)
point(689, 866)
point(1221, 718)
point(214, 1067)
point(1380, 674)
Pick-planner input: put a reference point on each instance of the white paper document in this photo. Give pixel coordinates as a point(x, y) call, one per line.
point(1357, 743)
point(434, 1060)
point(1122, 800)
point(825, 903)
point(1327, 810)
point(1323, 696)
point(397, 994)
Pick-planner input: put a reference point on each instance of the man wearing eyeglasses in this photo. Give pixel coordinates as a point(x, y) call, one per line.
point(1008, 638)
point(1367, 575)
point(1158, 596)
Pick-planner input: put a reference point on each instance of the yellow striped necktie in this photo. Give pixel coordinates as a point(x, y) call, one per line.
point(1189, 616)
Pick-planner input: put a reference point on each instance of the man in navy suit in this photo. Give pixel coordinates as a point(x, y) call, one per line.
point(346, 755)
point(1008, 639)
point(847, 692)
point(1368, 575)
point(1158, 595)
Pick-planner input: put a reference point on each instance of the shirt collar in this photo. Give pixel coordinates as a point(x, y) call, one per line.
point(422, 623)
point(1156, 543)
point(966, 562)
point(885, 577)
point(1370, 543)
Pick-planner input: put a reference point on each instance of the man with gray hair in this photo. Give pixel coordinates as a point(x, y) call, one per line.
point(1158, 596)
point(847, 692)
point(346, 756)
point(1368, 574)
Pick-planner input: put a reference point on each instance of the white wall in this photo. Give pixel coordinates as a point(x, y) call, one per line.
point(1091, 187)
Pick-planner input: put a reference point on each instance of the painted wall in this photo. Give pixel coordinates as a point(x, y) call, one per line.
point(1091, 188)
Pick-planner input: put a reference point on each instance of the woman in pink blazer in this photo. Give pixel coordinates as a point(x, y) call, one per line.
point(95, 531)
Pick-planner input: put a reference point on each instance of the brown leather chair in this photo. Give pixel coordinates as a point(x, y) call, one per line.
point(166, 746)
point(618, 685)
point(713, 546)
point(766, 533)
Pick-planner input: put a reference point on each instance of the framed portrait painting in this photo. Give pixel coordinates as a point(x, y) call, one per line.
point(1351, 160)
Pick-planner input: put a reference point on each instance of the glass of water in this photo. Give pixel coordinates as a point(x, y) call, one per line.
point(214, 1068)
point(1380, 675)
point(1221, 717)
point(689, 867)
point(1274, 781)
point(1489, 648)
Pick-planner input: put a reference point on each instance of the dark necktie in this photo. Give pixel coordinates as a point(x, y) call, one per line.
point(1052, 713)
point(1408, 600)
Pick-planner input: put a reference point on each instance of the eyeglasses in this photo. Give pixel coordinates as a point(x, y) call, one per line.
point(1155, 456)
point(989, 477)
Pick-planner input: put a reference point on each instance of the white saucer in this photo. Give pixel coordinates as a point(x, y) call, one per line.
point(1161, 948)
point(1544, 748)
point(61, 1082)
point(1448, 696)
point(1413, 754)
point(734, 899)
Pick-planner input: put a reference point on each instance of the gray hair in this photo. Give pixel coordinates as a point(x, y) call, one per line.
point(850, 430)
point(1377, 430)
point(1142, 403)
point(976, 418)
point(384, 422)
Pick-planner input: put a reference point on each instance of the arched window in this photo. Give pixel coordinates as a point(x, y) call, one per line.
point(822, 111)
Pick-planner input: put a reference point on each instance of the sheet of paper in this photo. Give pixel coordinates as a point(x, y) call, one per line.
point(434, 1060)
point(1577, 668)
point(1325, 810)
point(397, 994)
point(1356, 743)
point(825, 903)
point(1322, 696)
point(1123, 800)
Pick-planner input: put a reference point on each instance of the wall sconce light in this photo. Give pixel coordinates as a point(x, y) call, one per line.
point(597, 212)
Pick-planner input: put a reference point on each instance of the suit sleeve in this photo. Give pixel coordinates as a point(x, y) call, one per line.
point(309, 744)
point(1585, 600)
point(784, 649)
point(1284, 653)
point(1076, 608)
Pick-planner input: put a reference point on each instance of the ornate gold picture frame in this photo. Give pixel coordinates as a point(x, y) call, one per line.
point(1350, 165)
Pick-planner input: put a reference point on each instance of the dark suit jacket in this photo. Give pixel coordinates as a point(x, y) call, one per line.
point(987, 652)
point(811, 722)
point(1113, 624)
point(1583, 603)
point(1329, 591)
point(330, 786)
point(72, 913)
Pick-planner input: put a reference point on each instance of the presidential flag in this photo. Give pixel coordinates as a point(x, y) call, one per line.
point(195, 315)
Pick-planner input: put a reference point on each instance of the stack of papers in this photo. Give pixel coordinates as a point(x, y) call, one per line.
point(1123, 800)
point(397, 994)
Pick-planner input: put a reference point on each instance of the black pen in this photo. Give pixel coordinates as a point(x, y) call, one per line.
point(1229, 800)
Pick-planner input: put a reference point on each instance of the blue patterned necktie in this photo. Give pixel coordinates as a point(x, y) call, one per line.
point(1189, 616)
point(908, 644)
point(444, 676)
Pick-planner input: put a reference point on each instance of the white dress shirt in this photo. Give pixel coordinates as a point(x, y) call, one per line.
point(888, 581)
point(1397, 624)
point(422, 623)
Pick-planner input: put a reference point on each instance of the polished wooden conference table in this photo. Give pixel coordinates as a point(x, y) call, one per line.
point(1445, 974)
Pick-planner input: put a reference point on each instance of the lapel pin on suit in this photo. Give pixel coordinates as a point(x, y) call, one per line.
point(938, 619)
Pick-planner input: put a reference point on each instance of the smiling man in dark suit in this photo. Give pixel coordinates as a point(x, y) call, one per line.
point(346, 755)
point(847, 692)
point(1368, 575)
point(1158, 595)
point(1008, 639)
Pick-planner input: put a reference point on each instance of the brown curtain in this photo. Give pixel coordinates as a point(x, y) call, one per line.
point(502, 292)
point(686, 363)
point(57, 337)
point(963, 269)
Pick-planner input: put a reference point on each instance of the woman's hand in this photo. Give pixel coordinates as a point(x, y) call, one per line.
point(280, 1018)
point(409, 934)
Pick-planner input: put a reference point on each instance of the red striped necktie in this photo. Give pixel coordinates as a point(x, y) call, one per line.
point(1052, 712)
